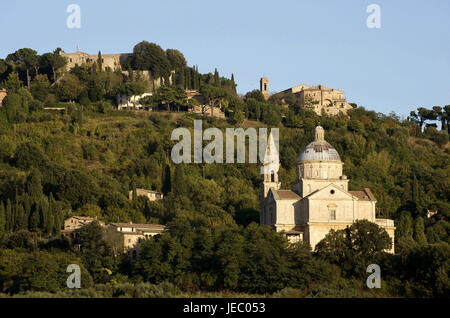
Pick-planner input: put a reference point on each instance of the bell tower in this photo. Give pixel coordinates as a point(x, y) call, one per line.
point(264, 87)
point(270, 169)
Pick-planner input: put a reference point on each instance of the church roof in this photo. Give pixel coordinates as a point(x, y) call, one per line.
point(365, 195)
point(285, 195)
point(319, 149)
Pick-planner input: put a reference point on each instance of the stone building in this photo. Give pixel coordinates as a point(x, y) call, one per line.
point(149, 194)
point(133, 234)
point(319, 98)
point(112, 61)
point(76, 222)
point(319, 200)
point(264, 87)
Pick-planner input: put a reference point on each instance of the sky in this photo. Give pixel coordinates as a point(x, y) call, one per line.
point(398, 67)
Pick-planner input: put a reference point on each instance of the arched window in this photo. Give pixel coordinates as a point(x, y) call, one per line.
point(272, 176)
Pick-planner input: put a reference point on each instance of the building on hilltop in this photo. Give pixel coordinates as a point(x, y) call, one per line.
point(133, 234)
point(318, 98)
point(264, 87)
point(319, 200)
point(149, 194)
point(112, 61)
point(74, 223)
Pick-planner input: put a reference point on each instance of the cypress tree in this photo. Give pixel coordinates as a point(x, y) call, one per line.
point(9, 225)
point(188, 78)
point(100, 61)
point(181, 79)
point(134, 195)
point(258, 112)
point(22, 222)
point(55, 214)
point(198, 77)
point(192, 76)
point(80, 117)
point(405, 225)
point(35, 219)
point(179, 181)
point(216, 78)
point(419, 231)
point(167, 183)
point(35, 185)
point(233, 82)
point(2, 218)
point(27, 206)
point(43, 213)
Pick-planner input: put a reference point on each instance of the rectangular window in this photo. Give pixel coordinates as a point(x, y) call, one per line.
point(332, 214)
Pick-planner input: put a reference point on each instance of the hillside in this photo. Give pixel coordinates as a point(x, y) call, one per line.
point(85, 160)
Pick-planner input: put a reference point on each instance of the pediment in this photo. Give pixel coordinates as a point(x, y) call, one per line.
point(331, 191)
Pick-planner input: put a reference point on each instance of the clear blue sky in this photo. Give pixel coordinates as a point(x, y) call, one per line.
point(402, 66)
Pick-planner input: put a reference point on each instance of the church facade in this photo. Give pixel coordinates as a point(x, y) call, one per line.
point(319, 200)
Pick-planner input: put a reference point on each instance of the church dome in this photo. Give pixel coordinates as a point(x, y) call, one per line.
point(319, 149)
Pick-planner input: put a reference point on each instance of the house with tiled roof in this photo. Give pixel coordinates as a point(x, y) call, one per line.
point(133, 233)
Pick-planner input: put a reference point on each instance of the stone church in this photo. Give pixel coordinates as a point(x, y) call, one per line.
point(319, 200)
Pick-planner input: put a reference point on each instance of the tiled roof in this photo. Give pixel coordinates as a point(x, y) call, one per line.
point(285, 195)
point(365, 195)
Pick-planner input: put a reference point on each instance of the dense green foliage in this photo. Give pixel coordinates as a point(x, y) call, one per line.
point(86, 159)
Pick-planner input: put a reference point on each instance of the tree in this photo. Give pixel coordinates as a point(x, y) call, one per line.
point(404, 226)
point(29, 155)
point(5, 69)
point(216, 78)
point(13, 82)
point(419, 231)
point(356, 247)
point(27, 59)
point(40, 87)
point(440, 115)
point(255, 94)
point(9, 225)
point(176, 60)
point(174, 98)
point(52, 62)
point(35, 219)
point(425, 114)
point(35, 185)
point(100, 61)
point(2, 218)
point(22, 220)
point(233, 83)
point(130, 89)
point(151, 57)
point(167, 183)
point(68, 87)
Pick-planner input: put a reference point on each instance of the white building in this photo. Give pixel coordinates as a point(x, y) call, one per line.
point(319, 200)
point(125, 102)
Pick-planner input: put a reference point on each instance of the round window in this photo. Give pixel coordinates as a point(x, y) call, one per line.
point(332, 191)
